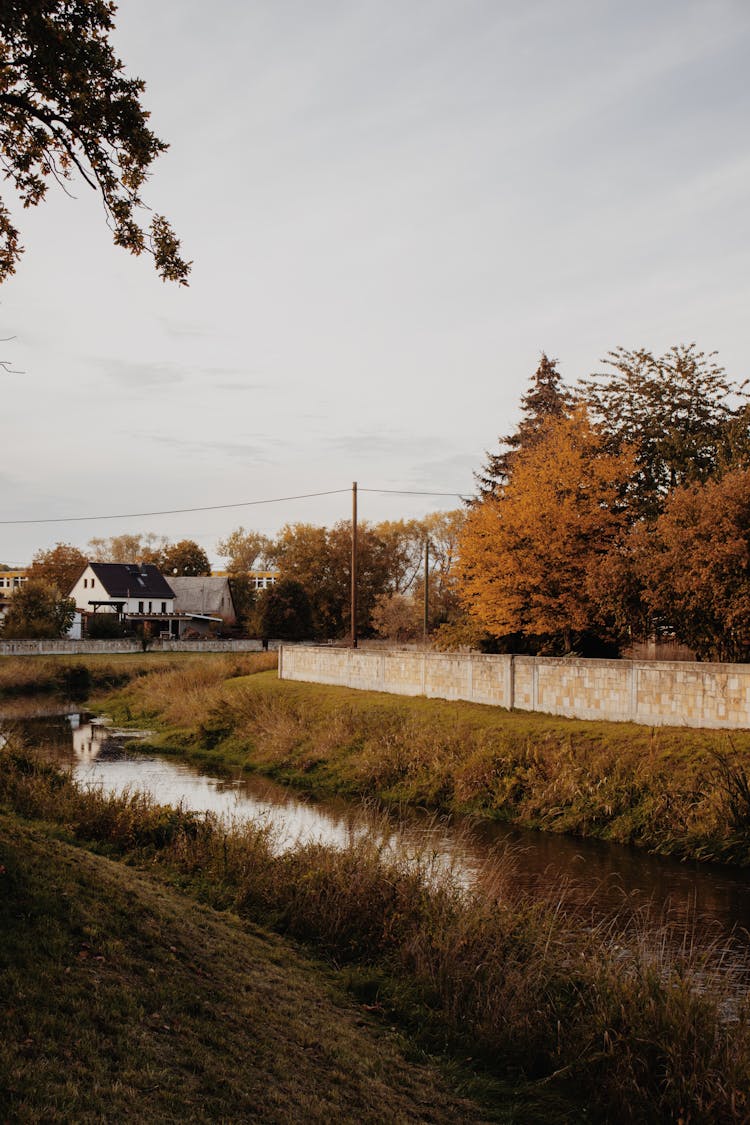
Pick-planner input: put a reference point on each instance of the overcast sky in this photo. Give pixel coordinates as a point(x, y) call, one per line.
point(393, 206)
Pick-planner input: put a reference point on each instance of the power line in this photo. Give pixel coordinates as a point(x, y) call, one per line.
point(411, 492)
point(177, 511)
point(223, 507)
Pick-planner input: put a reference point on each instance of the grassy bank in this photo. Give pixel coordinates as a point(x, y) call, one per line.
point(161, 990)
point(124, 1000)
point(75, 677)
point(671, 790)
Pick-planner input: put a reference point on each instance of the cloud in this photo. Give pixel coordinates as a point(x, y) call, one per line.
point(259, 450)
point(385, 444)
point(236, 385)
point(446, 473)
point(135, 373)
point(180, 328)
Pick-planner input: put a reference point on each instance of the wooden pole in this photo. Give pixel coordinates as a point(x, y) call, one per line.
point(354, 565)
point(426, 588)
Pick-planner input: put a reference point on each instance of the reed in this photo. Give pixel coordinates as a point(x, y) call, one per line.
point(650, 1032)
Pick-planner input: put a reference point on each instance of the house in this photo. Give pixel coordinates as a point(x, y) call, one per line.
point(205, 599)
point(136, 592)
point(10, 581)
point(259, 579)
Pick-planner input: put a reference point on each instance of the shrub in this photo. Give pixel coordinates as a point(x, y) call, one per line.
point(105, 626)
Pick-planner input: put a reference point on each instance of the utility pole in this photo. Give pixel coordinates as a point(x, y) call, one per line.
point(354, 565)
point(426, 588)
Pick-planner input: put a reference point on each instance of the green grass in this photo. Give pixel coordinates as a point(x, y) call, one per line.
point(671, 790)
point(120, 989)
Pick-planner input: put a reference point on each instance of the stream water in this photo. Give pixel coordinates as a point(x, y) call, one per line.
point(597, 877)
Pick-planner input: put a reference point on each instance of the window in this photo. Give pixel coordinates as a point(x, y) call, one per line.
point(140, 607)
point(92, 583)
point(150, 604)
point(164, 607)
point(85, 583)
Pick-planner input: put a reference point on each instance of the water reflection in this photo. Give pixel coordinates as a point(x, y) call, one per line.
point(597, 877)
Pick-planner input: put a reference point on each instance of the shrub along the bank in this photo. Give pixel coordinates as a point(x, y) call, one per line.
point(649, 1035)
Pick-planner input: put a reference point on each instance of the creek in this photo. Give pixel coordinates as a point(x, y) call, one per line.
point(700, 901)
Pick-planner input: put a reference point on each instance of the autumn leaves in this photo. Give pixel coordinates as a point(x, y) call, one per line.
point(616, 511)
point(530, 554)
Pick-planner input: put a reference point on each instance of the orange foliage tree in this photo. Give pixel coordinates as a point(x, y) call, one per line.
point(60, 566)
point(696, 572)
point(529, 556)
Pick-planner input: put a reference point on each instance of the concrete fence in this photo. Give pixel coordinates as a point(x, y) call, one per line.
point(90, 648)
point(655, 693)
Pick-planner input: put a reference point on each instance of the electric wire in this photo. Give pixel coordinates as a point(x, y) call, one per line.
point(224, 507)
point(176, 511)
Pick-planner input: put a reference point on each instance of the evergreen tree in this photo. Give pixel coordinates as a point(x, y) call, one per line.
point(547, 398)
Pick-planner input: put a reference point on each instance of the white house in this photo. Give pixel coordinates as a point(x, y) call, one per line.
point(138, 591)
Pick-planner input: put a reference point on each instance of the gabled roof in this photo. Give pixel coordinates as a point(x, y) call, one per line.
point(132, 580)
point(203, 595)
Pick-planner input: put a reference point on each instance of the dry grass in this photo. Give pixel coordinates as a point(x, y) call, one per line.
point(679, 792)
point(179, 692)
point(81, 675)
point(649, 1034)
point(122, 1000)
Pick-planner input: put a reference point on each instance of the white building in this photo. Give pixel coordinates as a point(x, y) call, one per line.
point(137, 591)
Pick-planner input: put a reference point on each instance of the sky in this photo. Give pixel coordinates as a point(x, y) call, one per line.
point(393, 207)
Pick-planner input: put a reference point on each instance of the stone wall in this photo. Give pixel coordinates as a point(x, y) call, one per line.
point(90, 647)
point(655, 693)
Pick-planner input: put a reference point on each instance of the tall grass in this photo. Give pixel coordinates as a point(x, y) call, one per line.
point(650, 1034)
point(189, 691)
point(679, 792)
point(78, 676)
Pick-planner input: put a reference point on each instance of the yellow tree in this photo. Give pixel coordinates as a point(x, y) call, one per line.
point(696, 568)
point(530, 554)
point(59, 566)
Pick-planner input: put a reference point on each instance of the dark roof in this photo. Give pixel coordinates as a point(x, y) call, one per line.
point(132, 580)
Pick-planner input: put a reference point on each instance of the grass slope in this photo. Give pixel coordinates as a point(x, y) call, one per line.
point(124, 1001)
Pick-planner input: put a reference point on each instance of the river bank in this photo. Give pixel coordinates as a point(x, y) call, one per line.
point(672, 791)
point(76, 677)
point(535, 999)
point(126, 1000)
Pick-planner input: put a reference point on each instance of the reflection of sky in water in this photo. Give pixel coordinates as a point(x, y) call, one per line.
point(594, 875)
point(173, 783)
